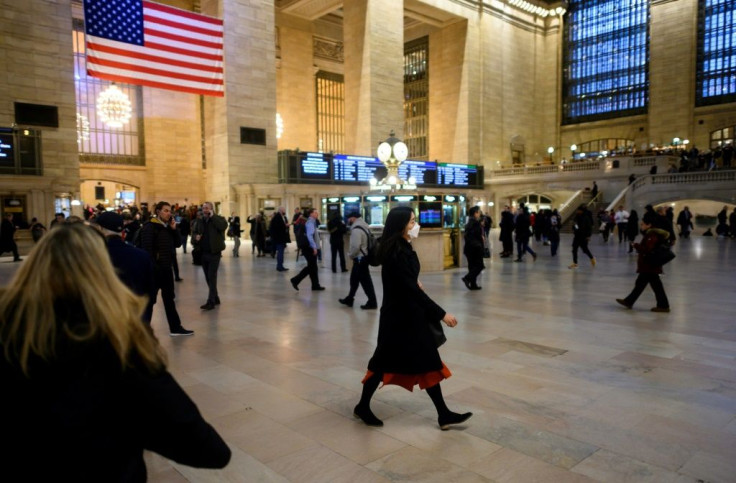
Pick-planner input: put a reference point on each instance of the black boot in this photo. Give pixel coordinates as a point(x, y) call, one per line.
point(363, 409)
point(445, 417)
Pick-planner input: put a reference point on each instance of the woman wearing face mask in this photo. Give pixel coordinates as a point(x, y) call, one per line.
point(409, 331)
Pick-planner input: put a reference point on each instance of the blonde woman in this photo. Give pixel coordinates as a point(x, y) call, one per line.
point(85, 385)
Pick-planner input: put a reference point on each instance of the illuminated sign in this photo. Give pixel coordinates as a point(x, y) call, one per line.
point(457, 174)
point(423, 172)
point(350, 199)
point(403, 198)
point(314, 166)
point(356, 169)
point(7, 149)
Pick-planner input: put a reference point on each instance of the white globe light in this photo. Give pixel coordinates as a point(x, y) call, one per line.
point(113, 107)
point(401, 151)
point(412, 180)
point(384, 151)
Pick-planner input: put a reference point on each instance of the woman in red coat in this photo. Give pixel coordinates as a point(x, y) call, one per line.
point(409, 331)
point(648, 273)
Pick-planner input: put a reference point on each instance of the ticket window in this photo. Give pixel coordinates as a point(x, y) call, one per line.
point(376, 208)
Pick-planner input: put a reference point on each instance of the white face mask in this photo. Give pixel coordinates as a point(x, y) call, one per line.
point(414, 232)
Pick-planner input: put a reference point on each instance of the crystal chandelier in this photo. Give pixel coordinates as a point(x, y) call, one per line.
point(113, 107)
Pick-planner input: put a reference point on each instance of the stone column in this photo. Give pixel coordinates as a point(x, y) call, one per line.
point(250, 101)
point(374, 67)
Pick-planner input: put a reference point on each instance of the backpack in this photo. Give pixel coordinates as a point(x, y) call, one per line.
point(371, 249)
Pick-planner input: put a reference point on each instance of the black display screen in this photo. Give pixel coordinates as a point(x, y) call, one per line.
point(7, 149)
point(457, 174)
point(424, 172)
point(430, 214)
point(314, 166)
point(356, 169)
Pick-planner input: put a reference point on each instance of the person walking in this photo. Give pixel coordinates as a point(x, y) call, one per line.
point(360, 274)
point(337, 230)
point(308, 243)
point(409, 332)
point(648, 272)
point(85, 384)
point(279, 231)
point(185, 228)
point(473, 248)
point(582, 230)
point(632, 229)
point(621, 218)
point(685, 221)
point(37, 230)
point(522, 225)
point(7, 237)
point(507, 232)
point(159, 238)
point(555, 222)
point(210, 235)
point(234, 231)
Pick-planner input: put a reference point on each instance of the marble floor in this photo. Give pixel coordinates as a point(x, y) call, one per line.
point(565, 385)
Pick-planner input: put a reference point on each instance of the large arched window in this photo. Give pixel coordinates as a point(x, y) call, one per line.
point(605, 59)
point(716, 69)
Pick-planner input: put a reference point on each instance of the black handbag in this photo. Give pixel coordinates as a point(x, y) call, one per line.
point(435, 327)
point(659, 256)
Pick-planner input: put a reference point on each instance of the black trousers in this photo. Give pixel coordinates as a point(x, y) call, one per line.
point(210, 265)
point(622, 235)
point(475, 266)
point(338, 248)
point(163, 280)
point(361, 275)
point(13, 248)
point(311, 268)
point(582, 243)
point(642, 281)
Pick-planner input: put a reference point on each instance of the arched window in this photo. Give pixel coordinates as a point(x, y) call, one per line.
point(535, 202)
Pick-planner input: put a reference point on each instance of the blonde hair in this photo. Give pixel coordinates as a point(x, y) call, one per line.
point(71, 265)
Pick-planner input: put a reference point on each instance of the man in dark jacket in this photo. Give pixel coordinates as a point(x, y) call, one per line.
point(507, 232)
point(522, 225)
point(210, 234)
point(279, 231)
point(473, 248)
point(159, 238)
point(582, 230)
point(7, 241)
point(133, 265)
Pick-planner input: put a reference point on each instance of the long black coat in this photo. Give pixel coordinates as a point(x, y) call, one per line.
point(473, 239)
point(405, 343)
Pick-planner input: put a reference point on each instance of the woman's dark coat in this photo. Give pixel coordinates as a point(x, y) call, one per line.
point(405, 343)
point(652, 238)
point(473, 239)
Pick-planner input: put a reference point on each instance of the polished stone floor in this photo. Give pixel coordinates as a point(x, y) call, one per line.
point(565, 385)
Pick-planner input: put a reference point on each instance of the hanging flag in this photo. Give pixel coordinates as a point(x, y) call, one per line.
point(146, 43)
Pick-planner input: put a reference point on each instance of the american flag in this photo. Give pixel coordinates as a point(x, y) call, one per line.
point(146, 43)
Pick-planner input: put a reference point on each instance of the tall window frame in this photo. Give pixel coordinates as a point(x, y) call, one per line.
point(416, 98)
point(605, 60)
point(330, 111)
point(97, 142)
point(716, 57)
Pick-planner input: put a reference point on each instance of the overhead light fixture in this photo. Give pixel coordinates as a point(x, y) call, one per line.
point(114, 107)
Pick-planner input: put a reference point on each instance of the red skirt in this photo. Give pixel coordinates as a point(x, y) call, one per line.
point(408, 381)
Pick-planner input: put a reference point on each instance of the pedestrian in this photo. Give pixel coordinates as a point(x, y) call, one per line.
point(159, 238)
point(582, 230)
point(234, 231)
point(648, 272)
point(685, 221)
point(407, 350)
point(85, 384)
point(308, 243)
point(507, 232)
point(7, 237)
point(210, 235)
point(37, 230)
point(555, 222)
point(279, 232)
point(473, 248)
point(632, 229)
point(522, 225)
point(360, 274)
point(621, 218)
point(337, 230)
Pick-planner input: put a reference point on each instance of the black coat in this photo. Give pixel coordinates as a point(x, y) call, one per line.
point(405, 343)
point(83, 419)
point(7, 231)
point(507, 226)
point(522, 227)
point(473, 238)
point(278, 230)
point(133, 265)
point(159, 241)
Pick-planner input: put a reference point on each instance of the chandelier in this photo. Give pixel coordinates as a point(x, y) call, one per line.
point(113, 107)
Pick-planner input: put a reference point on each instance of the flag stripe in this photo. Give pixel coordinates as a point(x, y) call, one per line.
point(176, 12)
point(182, 39)
point(111, 53)
point(143, 69)
point(174, 49)
point(181, 26)
point(171, 87)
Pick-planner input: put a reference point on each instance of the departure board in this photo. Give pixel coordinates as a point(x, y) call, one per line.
point(457, 174)
point(425, 172)
point(7, 151)
point(356, 169)
point(314, 166)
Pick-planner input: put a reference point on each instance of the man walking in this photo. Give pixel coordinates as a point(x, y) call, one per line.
point(7, 237)
point(308, 242)
point(360, 274)
point(621, 218)
point(210, 235)
point(159, 238)
point(279, 231)
point(582, 230)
